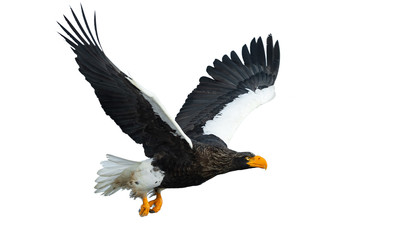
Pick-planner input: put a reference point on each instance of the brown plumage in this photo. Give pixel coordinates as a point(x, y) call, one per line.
point(205, 162)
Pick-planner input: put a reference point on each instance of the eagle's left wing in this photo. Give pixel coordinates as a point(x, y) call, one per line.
point(219, 104)
point(135, 110)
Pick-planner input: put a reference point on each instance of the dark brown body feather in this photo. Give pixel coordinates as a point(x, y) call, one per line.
point(203, 163)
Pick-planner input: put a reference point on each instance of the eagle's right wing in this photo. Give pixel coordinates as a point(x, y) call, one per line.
point(135, 110)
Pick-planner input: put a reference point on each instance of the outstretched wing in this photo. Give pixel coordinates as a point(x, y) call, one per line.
point(219, 104)
point(135, 110)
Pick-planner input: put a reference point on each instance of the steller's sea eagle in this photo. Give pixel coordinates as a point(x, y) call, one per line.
point(192, 148)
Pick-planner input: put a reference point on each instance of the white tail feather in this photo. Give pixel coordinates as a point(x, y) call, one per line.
point(115, 168)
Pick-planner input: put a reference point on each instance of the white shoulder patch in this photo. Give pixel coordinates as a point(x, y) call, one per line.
point(160, 111)
point(225, 123)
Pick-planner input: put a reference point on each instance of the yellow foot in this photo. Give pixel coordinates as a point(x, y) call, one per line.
point(145, 208)
point(157, 202)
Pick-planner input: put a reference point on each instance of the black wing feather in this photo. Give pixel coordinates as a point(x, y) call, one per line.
point(120, 99)
point(230, 78)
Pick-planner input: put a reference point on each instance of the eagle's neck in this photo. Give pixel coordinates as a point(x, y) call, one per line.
point(216, 160)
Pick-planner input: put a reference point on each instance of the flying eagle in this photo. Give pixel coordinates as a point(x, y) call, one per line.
point(192, 148)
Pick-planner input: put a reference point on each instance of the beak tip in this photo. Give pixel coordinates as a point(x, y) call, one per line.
point(257, 161)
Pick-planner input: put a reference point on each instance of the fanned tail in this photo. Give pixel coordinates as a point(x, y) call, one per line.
point(114, 175)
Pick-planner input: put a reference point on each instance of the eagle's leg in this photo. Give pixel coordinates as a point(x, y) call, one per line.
point(145, 207)
point(157, 202)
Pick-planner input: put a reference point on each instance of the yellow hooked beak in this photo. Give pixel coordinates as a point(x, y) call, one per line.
point(257, 161)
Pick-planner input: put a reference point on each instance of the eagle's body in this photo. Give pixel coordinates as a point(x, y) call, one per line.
point(192, 148)
point(206, 161)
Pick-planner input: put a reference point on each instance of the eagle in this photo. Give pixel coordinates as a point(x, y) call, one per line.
point(192, 147)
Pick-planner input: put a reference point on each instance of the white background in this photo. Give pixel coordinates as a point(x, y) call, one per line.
point(330, 136)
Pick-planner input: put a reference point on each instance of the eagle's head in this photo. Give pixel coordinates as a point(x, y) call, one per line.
point(245, 160)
